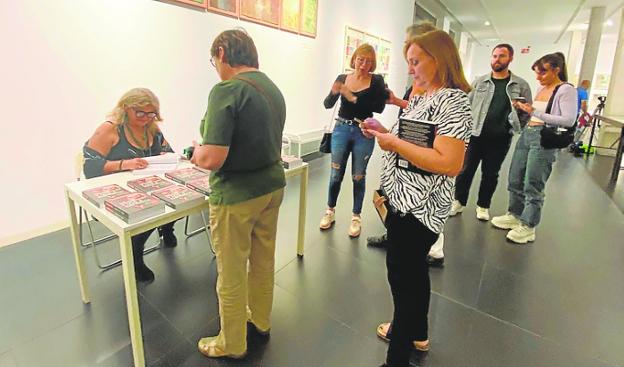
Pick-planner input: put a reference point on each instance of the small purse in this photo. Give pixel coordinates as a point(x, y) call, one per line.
point(380, 201)
point(325, 146)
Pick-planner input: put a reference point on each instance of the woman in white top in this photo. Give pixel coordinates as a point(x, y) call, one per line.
point(554, 106)
point(420, 195)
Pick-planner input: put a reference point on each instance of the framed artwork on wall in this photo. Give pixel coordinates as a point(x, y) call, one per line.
point(265, 12)
point(227, 7)
point(291, 15)
point(196, 3)
point(353, 39)
point(309, 14)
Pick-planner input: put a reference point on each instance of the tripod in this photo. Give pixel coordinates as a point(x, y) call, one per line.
point(601, 105)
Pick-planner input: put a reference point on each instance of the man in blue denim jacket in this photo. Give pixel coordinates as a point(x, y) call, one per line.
point(494, 122)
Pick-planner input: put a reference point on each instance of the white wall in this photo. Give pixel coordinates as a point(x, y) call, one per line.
point(521, 65)
point(65, 64)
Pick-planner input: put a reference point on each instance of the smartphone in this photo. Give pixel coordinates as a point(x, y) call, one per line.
point(520, 99)
point(357, 120)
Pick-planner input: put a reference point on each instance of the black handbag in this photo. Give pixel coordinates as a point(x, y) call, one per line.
point(325, 146)
point(552, 137)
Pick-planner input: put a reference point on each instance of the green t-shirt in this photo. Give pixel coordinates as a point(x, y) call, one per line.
point(243, 119)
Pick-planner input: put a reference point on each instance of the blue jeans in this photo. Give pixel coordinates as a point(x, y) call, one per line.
point(531, 165)
point(348, 139)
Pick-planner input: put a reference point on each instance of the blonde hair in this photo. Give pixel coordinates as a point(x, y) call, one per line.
point(364, 48)
point(136, 97)
point(417, 29)
point(439, 45)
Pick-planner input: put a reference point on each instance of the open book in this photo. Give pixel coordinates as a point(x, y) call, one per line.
point(159, 164)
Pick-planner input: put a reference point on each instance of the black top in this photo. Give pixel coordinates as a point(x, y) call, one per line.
point(496, 123)
point(369, 100)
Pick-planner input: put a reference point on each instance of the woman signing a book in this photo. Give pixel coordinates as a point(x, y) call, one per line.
point(418, 178)
point(119, 144)
point(361, 93)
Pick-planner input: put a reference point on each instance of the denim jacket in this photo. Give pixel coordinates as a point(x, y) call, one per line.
point(481, 95)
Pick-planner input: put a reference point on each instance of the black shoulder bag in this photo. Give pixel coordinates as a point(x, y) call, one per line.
point(551, 137)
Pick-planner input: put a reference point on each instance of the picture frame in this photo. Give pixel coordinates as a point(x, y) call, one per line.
point(202, 4)
point(309, 18)
point(226, 7)
point(291, 15)
point(266, 12)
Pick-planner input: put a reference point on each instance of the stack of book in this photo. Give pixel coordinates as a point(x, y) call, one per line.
point(99, 195)
point(149, 184)
point(185, 175)
point(290, 161)
point(201, 185)
point(179, 197)
point(134, 207)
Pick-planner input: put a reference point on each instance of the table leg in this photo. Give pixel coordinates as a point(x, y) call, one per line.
point(132, 300)
point(80, 267)
point(303, 194)
point(618, 159)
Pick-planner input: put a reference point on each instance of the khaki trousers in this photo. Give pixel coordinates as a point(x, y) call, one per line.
point(243, 235)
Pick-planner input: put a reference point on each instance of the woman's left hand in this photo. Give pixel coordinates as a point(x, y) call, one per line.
point(524, 107)
point(386, 141)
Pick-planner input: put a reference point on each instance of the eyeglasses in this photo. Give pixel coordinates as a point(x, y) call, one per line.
point(363, 60)
point(212, 62)
point(141, 114)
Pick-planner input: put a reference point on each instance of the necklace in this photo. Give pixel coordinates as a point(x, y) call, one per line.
point(143, 147)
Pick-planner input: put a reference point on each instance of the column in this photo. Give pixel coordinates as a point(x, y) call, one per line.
point(592, 43)
point(574, 57)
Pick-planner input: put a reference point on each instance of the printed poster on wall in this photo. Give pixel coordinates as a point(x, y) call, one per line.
point(309, 13)
point(383, 57)
point(291, 15)
point(228, 7)
point(353, 39)
point(197, 3)
point(261, 11)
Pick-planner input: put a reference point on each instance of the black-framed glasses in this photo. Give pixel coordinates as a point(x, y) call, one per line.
point(212, 62)
point(141, 114)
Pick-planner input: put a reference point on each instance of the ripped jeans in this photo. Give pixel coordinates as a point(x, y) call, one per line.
point(348, 139)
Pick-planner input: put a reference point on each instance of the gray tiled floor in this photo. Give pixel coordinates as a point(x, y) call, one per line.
point(557, 302)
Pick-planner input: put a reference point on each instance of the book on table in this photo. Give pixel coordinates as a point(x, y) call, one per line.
point(201, 185)
point(179, 197)
point(417, 132)
point(149, 184)
point(98, 195)
point(134, 206)
point(185, 175)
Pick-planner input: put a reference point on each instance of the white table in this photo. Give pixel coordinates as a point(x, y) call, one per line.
point(73, 194)
point(615, 121)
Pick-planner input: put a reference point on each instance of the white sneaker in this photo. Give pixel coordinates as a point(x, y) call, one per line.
point(483, 213)
point(521, 234)
point(456, 208)
point(328, 219)
point(507, 221)
point(356, 226)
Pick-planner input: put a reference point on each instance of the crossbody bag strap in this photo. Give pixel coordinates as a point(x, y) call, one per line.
point(552, 100)
point(260, 90)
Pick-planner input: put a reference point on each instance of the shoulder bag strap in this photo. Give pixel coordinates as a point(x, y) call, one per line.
point(260, 90)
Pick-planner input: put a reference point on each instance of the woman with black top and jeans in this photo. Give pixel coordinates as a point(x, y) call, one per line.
point(361, 93)
point(119, 144)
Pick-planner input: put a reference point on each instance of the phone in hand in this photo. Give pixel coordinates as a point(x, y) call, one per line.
point(357, 120)
point(520, 99)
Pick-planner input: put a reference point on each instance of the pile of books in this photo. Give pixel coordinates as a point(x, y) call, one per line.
point(290, 161)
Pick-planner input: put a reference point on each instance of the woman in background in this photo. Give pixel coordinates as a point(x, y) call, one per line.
point(531, 163)
point(361, 93)
point(119, 144)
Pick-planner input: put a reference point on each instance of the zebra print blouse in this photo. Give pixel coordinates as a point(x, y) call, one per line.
point(428, 197)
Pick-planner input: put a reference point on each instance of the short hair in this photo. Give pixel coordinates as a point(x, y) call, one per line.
point(364, 48)
point(238, 48)
point(440, 46)
point(419, 28)
point(555, 60)
point(136, 97)
point(505, 45)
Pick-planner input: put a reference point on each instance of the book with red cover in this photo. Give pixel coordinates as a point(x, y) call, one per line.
point(98, 195)
point(179, 197)
point(201, 185)
point(149, 184)
point(135, 206)
point(185, 175)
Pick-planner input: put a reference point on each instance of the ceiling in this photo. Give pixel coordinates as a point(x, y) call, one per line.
point(529, 21)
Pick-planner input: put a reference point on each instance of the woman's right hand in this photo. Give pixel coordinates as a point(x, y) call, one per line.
point(135, 163)
point(335, 89)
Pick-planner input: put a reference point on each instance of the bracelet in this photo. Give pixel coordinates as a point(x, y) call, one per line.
point(120, 163)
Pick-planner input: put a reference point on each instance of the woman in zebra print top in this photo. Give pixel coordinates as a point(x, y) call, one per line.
point(420, 196)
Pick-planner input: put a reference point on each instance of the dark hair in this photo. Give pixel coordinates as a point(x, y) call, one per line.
point(238, 48)
point(505, 45)
point(555, 60)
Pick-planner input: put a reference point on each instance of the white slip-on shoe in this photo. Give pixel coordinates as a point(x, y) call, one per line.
point(521, 234)
point(507, 221)
point(483, 213)
point(456, 208)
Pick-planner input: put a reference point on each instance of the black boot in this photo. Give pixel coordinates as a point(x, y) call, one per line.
point(166, 232)
point(141, 272)
point(378, 241)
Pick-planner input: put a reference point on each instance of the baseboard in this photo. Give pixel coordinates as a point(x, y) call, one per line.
point(11, 240)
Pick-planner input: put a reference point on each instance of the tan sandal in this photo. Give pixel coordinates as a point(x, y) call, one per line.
point(208, 347)
point(382, 333)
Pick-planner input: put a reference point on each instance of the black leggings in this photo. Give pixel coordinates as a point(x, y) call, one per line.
point(409, 242)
